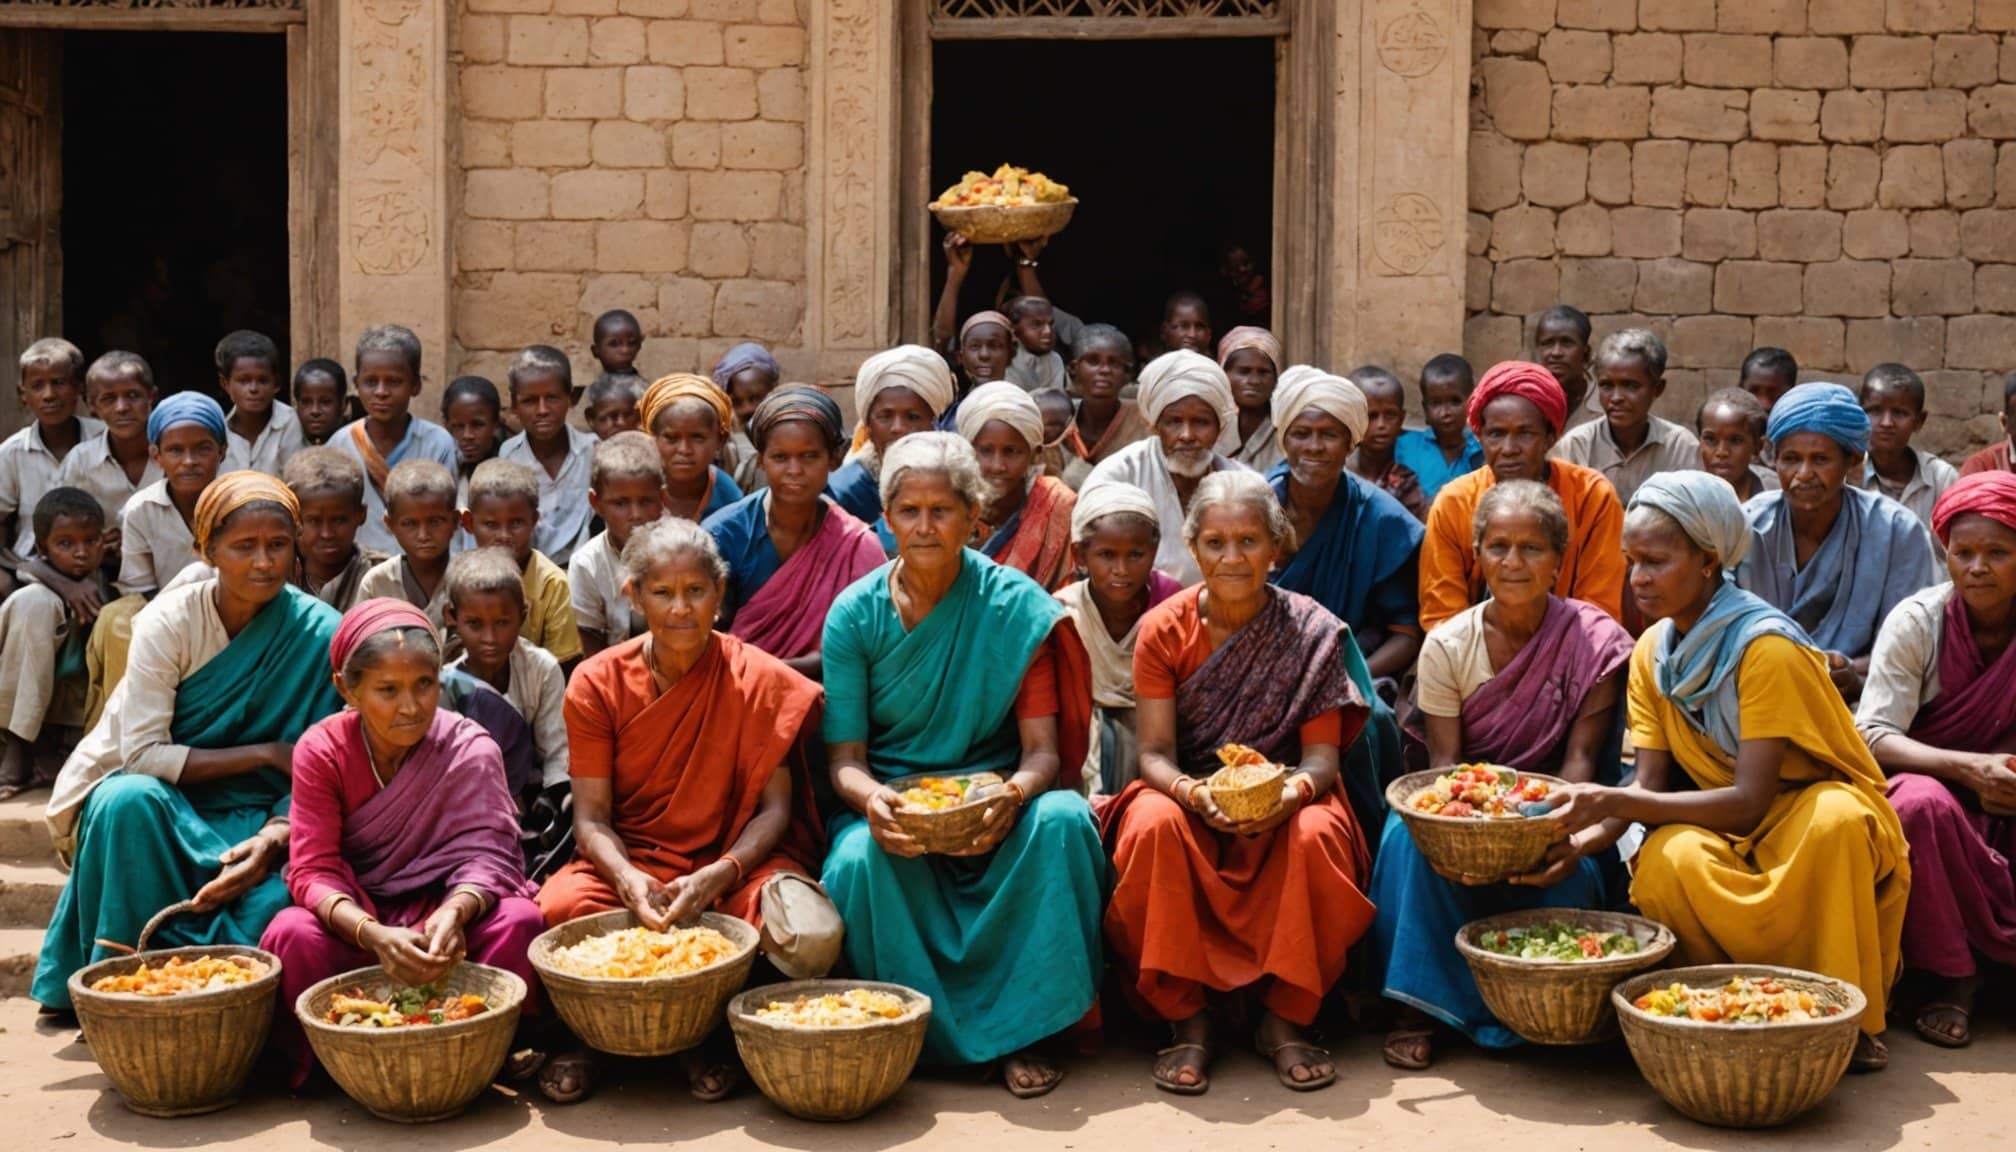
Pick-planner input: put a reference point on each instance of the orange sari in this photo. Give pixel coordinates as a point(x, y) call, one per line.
point(1041, 545)
point(1592, 568)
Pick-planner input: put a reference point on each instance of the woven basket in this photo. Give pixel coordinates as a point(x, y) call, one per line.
point(1255, 801)
point(949, 830)
point(1740, 1076)
point(423, 1073)
point(1559, 1001)
point(828, 1073)
point(649, 1016)
point(177, 1055)
point(1005, 224)
point(1484, 850)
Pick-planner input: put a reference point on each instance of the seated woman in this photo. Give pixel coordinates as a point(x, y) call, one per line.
point(922, 665)
point(898, 392)
point(1205, 905)
point(689, 417)
point(405, 846)
point(180, 790)
point(1026, 524)
point(1776, 846)
point(1939, 712)
point(1833, 557)
point(790, 549)
point(1525, 679)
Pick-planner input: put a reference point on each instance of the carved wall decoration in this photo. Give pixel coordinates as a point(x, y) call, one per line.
point(1406, 234)
point(851, 184)
point(1103, 9)
point(1411, 42)
point(268, 5)
point(388, 229)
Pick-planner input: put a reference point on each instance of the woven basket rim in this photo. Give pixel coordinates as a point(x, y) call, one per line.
point(1651, 952)
point(1403, 789)
point(741, 932)
point(1043, 206)
point(80, 981)
point(1704, 975)
point(741, 1008)
point(510, 982)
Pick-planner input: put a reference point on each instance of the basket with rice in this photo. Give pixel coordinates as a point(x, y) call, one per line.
point(829, 1049)
point(632, 991)
point(178, 1030)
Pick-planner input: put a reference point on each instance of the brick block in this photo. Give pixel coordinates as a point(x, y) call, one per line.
point(1595, 285)
point(1875, 234)
point(1555, 175)
point(686, 306)
point(547, 40)
point(1914, 176)
point(1994, 287)
point(1518, 96)
point(1708, 175)
point(1576, 57)
point(1700, 113)
point(737, 195)
point(1515, 42)
point(1890, 62)
point(1848, 288)
point(1489, 338)
point(1932, 287)
point(1645, 233)
point(652, 92)
point(1533, 15)
point(1708, 341)
point(584, 93)
point(757, 310)
point(1646, 58)
point(1925, 117)
point(1851, 117)
point(1659, 173)
point(1674, 287)
point(1583, 230)
point(1597, 112)
point(1809, 62)
point(732, 11)
point(1714, 234)
point(550, 143)
point(482, 245)
point(1980, 342)
point(1853, 174)
point(1716, 60)
point(1970, 172)
point(627, 144)
point(1802, 176)
point(1964, 61)
point(1782, 17)
point(777, 251)
point(1610, 173)
point(1677, 15)
point(1522, 286)
point(1916, 340)
point(1785, 116)
point(1803, 236)
point(1844, 17)
point(1757, 288)
point(1929, 15)
point(1522, 232)
point(486, 144)
point(502, 93)
point(1815, 342)
point(1989, 235)
point(1753, 175)
point(642, 246)
point(595, 195)
point(482, 39)
point(516, 308)
point(1495, 164)
point(654, 9)
point(2005, 176)
point(720, 93)
point(554, 246)
point(761, 145)
point(505, 194)
point(616, 41)
point(696, 144)
point(720, 250)
point(1991, 112)
point(1995, 15)
point(665, 195)
point(1935, 235)
point(780, 95)
point(1476, 283)
point(684, 42)
point(1600, 15)
point(761, 46)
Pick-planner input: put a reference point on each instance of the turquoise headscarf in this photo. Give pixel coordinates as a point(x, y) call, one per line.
point(185, 408)
point(1828, 409)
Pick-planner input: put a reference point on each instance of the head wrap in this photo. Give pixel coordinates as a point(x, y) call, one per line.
point(669, 390)
point(186, 408)
point(1990, 494)
point(1302, 388)
point(370, 618)
point(1247, 336)
point(1005, 402)
point(797, 402)
point(1106, 498)
point(741, 358)
point(232, 491)
point(911, 366)
point(1705, 507)
point(1828, 409)
point(1180, 375)
point(979, 318)
point(1527, 381)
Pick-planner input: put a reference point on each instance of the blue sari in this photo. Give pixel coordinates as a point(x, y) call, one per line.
point(1361, 561)
point(724, 492)
point(1006, 945)
point(1876, 554)
point(857, 490)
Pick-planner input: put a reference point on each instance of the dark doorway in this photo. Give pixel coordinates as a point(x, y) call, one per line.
point(174, 195)
point(1168, 145)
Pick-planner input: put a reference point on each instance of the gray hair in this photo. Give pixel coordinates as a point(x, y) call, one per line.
point(1242, 488)
point(944, 453)
point(54, 352)
point(377, 646)
point(624, 456)
point(498, 479)
point(1527, 497)
point(1633, 344)
point(540, 360)
point(396, 339)
point(671, 538)
point(485, 572)
point(118, 363)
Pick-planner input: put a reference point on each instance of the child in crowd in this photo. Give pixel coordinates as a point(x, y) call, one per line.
point(51, 385)
point(748, 373)
point(321, 399)
point(43, 628)
point(627, 490)
point(986, 344)
point(1102, 368)
point(1061, 444)
point(115, 464)
point(264, 432)
point(1186, 323)
point(330, 488)
point(504, 513)
point(1447, 448)
point(1036, 363)
point(1995, 457)
point(1561, 345)
point(1731, 428)
point(559, 454)
point(688, 417)
point(388, 381)
point(612, 403)
point(421, 518)
point(157, 540)
point(1767, 374)
point(1630, 444)
point(1373, 459)
point(473, 413)
point(1894, 398)
point(616, 340)
point(486, 607)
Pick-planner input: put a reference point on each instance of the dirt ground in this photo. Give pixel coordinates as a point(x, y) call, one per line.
point(53, 1097)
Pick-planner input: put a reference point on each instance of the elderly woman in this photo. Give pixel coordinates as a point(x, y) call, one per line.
point(897, 393)
point(1519, 410)
point(1630, 443)
point(1188, 401)
point(1206, 905)
point(1835, 558)
point(1772, 841)
point(747, 373)
point(180, 791)
point(686, 752)
point(689, 416)
point(1525, 679)
point(1026, 524)
point(1101, 365)
point(925, 672)
point(790, 549)
point(405, 848)
point(1253, 362)
point(1939, 712)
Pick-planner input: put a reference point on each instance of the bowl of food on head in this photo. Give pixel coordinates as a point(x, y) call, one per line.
point(1007, 205)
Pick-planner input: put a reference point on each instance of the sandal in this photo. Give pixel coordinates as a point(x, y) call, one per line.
point(1943, 1037)
point(1164, 1073)
point(577, 1067)
point(1287, 1074)
point(1871, 1054)
point(1028, 1062)
point(1399, 1059)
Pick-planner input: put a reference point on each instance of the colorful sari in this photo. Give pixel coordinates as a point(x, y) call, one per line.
point(1036, 540)
point(1876, 554)
point(780, 605)
point(1360, 562)
point(1007, 944)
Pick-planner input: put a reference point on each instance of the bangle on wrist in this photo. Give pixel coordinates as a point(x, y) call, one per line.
point(730, 858)
point(357, 933)
point(1021, 797)
point(1304, 787)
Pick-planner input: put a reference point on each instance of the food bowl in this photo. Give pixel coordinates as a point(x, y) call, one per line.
point(1254, 800)
point(179, 1055)
point(947, 829)
point(426, 1072)
point(1486, 850)
point(1559, 1001)
point(647, 1015)
point(1740, 1075)
point(834, 1073)
point(1006, 223)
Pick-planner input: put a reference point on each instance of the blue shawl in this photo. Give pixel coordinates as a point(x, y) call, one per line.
point(1361, 562)
point(1877, 554)
point(1698, 671)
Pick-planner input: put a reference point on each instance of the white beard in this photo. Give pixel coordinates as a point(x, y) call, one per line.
point(1189, 465)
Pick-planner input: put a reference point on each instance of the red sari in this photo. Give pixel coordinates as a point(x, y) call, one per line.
point(1041, 546)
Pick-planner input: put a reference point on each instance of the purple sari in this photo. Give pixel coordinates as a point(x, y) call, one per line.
point(1283, 669)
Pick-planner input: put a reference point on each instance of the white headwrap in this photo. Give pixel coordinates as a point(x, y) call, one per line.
point(1106, 499)
point(1706, 509)
point(1301, 388)
point(911, 366)
point(1180, 375)
point(1007, 403)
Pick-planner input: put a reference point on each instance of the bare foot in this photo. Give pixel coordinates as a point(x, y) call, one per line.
point(17, 768)
point(570, 1078)
point(1027, 1075)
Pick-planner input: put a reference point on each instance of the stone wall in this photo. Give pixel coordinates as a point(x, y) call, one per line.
point(1836, 177)
point(641, 154)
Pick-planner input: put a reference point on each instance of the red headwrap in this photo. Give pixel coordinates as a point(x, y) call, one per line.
point(370, 618)
point(1527, 381)
point(1992, 494)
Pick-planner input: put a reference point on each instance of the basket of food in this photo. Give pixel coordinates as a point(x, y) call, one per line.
point(1248, 786)
point(413, 1055)
point(1478, 820)
point(632, 991)
point(1546, 973)
point(178, 1030)
point(944, 813)
point(1011, 204)
point(829, 1049)
point(1740, 1045)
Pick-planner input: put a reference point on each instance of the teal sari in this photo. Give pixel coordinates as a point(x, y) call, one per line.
point(143, 843)
point(1006, 945)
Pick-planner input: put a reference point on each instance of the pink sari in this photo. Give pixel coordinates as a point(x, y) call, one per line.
point(787, 616)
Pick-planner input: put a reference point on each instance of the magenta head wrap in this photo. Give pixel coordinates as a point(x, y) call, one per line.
point(1990, 494)
point(370, 618)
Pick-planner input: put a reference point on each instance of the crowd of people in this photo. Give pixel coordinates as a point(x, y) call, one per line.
point(367, 688)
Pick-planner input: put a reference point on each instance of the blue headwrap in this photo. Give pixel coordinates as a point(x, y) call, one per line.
point(186, 408)
point(741, 358)
point(1828, 409)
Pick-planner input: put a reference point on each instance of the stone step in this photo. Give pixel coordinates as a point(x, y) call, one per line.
point(19, 949)
point(28, 894)
point(24, 835)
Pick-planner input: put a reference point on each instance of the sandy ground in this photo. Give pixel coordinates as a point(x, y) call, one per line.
point(53, 1097)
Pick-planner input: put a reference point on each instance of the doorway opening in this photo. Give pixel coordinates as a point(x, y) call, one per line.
point(174, 211)
point(1168, 145)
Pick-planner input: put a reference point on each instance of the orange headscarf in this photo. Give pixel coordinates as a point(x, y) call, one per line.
point(232, 491)
point(669, 390)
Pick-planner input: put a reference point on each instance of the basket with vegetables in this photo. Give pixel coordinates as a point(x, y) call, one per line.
point(1481, 821)
point(413, 1054)
point(1546, 973)
point(1008, 205)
